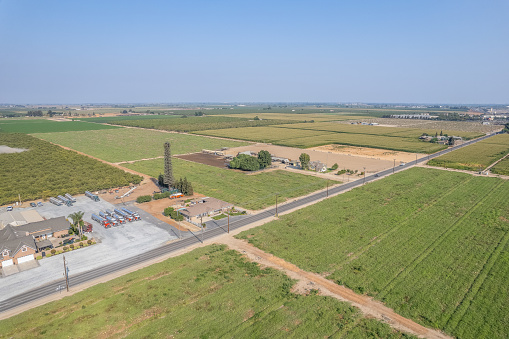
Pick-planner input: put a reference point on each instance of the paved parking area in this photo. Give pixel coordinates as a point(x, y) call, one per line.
point(114, 243)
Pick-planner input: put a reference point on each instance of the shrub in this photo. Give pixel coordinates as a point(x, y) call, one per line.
point(81, 244)
point(66, 248)
point(53, 251)
point(89, 242)
point(170, 212)
point(71, 246)
point(334, 167)
point(163, 195)
point(143, 198)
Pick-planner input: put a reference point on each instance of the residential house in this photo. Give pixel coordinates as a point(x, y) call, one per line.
point(201, 207)
point(317, 166)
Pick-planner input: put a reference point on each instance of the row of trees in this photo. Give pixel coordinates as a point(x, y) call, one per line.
point(184, 186)
point(248, 163)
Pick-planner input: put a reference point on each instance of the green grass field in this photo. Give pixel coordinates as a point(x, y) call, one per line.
point(126, 144)
point(431, 244)
point(476, 156)
point(502, 167)
point(305, 138)
point(211, 292)
point(249, 191)
point(35, 125)
point(46, 170)
point(189, 124)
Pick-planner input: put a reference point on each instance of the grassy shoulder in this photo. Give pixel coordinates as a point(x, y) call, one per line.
point(210, 292)
point(428, 243)
point(476, 156)
point(46, 170)
point(255, 191)
point(127, 144)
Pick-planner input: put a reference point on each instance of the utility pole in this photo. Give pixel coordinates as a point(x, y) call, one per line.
point(276, 206)
point(228, 221)
point(394, 166)
point(178, 217)
point(416, 158)
point(66, 275)
point(364, 180)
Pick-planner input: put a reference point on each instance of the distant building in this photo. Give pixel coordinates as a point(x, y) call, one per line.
point(317, 166)
point(424, 116)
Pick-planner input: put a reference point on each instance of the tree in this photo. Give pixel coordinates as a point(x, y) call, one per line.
point(168, 168)
point(506, 128)
point(160, 180)
point(451, 141)
point(441, 134)
point(256, 118)
point(77, 218)
point(245, 162)
point(264, 159)
point(334, 167)
point(304, 160)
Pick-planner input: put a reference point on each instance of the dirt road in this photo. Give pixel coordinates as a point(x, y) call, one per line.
point(308, 281)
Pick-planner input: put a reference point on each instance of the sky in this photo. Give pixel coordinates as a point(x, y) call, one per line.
point(447, 51)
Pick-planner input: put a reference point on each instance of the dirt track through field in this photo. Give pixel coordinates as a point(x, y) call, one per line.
point(367, 305)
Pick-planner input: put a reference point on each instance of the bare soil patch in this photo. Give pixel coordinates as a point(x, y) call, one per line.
point(344, 161)
point(206, 159)
point(372, 153)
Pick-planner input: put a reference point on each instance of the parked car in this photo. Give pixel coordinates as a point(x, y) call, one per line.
point(9, 208)
point(33, 204)
point(39, 204)
point(68, 241)
point(376, 175)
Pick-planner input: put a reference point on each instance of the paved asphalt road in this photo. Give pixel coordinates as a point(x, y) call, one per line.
point(80, 278)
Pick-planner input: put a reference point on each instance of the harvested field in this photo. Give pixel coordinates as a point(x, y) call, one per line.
point(344, 161)
point(205, 158)
point(372, 153)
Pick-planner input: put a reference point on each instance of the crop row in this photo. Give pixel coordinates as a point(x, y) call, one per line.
point(249, 191)
point(189, 124)
point(427, 245)
point(477, 156)
point(46, 170)
point(127, 144)
point(305, 138)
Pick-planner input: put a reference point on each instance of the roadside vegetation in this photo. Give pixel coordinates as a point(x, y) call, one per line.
point(127, 144)
point(46, 170)
point(477, 156)
point(433, 245)
point(249, 191)
point(196, 123)
point(211, 292)
point(48, 126)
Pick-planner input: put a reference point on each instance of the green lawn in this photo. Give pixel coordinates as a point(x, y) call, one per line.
point(431, 244)
point(46, 170)
point(211, 292)
point(249, 191)
point(125, 144)
point(476, 156)
point(39, 125)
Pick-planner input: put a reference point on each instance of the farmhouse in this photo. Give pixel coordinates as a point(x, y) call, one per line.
point(317, 166)
point(18, 244)
point(202, 207)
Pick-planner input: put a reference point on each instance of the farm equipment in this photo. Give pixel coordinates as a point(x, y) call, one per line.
point(55, 201)
point(92, 196)
point(135, 215)
point(128, 193)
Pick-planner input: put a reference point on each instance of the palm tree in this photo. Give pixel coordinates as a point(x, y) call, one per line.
point(77, 218)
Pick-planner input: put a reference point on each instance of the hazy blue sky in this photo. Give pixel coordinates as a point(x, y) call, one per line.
point(215, 51)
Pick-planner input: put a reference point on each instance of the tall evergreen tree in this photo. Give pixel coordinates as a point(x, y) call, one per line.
point(168, 168)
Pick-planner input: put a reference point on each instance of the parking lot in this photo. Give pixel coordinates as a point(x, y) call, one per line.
point(113, 244)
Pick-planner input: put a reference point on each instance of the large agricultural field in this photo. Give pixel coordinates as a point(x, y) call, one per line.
point(211, 292)
point(249, 191)
point(127, 144)
point(431, 244)
point(477, 156)
point(39, 125)
point(502, 167)
point(189, 124)
point(45, 170)
point(306, 138)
